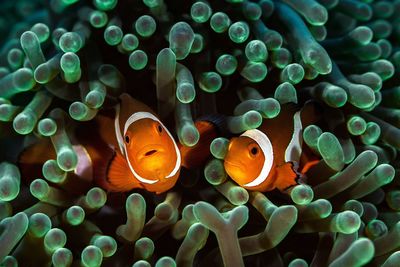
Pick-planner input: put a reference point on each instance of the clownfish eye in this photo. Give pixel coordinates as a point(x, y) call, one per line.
point(159, 128)
point(127, 139)
point(254, 151)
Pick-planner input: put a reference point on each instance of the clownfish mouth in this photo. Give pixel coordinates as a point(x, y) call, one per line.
point(151, 152)
point(238, 165)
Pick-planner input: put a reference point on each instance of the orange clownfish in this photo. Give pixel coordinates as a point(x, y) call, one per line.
point(128, 149)
point(268, 157)
point(147, 155)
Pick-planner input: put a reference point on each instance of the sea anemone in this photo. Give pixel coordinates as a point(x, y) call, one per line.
point(63, 62)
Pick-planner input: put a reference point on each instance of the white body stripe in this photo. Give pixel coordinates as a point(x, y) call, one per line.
point(135, 117)
point(266, 147)
point(293, 150)
point(120, 140)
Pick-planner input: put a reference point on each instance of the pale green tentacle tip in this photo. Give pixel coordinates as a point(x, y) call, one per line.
point(214, 172)
point(52, 172)
point(47, 127)
point(62, 257)
point(145, 247)
point(67, 159)
point(219, 147)
point(39, 224)
point(375, 228)
point(9, 181)
point(298, 263)
point(105, 5)
point(210, 82)
point(75, 215)
point(302, 194)
point(91, 256)
point(348, 222)
point(200, 12)
point(39, 188)
point(24, 122)
point(185, 92)
point(238, 195)
point(54, 239)
point(96, 197)
point(189, 135)
point(286, 93)
point(107, 244)
point(166, 262)
point(9, 261)
point(239, 32)
point(181, 38)
point(42, 31)
point(252, 119)
point(141, 263)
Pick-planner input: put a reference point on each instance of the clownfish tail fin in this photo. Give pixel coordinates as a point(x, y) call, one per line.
point(31, 159)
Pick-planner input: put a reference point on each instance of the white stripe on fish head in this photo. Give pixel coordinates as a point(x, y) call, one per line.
point(133, 118)
point(266, 147)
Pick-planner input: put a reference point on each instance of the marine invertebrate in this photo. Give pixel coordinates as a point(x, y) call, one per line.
point(63, 62)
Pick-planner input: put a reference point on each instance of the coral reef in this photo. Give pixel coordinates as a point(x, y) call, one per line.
point(62, 62)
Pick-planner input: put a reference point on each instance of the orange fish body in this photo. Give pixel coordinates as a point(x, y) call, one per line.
point(129, 149)
point(268, 157)
point(147, 155)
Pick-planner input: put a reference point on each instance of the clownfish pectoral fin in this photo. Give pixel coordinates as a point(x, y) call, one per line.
point(286, 176)
point(119, 176)
point(196, 156)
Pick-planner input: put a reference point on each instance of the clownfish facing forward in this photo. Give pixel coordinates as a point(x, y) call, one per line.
point(129, 149)
point(269, 157)
point(148, 156)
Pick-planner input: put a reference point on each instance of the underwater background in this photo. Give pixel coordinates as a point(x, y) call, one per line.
point(64, 61)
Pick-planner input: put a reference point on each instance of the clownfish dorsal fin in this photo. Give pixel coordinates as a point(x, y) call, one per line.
point(119, 176)
point(286, 176)
point(128, 106)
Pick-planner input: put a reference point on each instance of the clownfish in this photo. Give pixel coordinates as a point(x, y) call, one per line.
point(272, 156)
point(128, 149)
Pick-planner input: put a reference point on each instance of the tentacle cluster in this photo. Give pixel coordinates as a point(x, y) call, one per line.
point(64, 61)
